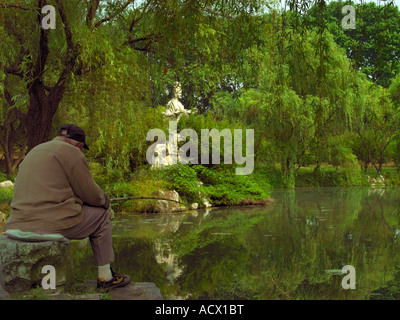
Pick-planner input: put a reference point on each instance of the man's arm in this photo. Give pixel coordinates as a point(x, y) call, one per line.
point(85, 187)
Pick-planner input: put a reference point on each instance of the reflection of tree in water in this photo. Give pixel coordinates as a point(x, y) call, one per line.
point(373, 243)
point(212, 255)
point(371, 225)
point(217, 271)
point(280, 252)
point(285, 254)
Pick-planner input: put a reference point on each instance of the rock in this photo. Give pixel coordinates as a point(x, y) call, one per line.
point(165, 206)
point(206, 203)
point(22, 262)
point(137, 291)
point(161, 206)
point(194, 206)
point(3, 293)
point(380, 180)
point(168, 194)
point(6, 184)
point(133, 291)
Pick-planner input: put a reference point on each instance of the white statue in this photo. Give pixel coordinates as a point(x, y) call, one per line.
point(174, 107)
point(167, 154)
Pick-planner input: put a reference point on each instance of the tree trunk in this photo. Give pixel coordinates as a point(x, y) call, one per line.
point(12, 135)
point(12, 161)
point(288, 173)
point(41, 112)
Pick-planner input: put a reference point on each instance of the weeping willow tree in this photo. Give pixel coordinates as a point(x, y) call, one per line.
point(111, 98)
point(373, 49)
point(298, 93)
point(38, 66)
point(373, 45)
point(109, 65)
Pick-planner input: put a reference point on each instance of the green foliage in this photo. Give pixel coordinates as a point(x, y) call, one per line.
point(374, 44)
point(141, 184)
point(220, 184)
point(326, 176)
point(38, 293)
point(330, 177)
point(184, 180)
point(6, 194)
point(223, 187)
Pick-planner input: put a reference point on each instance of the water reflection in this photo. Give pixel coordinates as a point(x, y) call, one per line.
point(277, 252)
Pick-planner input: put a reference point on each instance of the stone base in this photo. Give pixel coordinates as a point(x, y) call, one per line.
point(137, 291)
point(23, 262)
point(133, 291)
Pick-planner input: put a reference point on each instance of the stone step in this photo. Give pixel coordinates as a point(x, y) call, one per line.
point(133, 291)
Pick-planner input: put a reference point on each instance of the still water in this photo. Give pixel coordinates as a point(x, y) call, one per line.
point(284, 251)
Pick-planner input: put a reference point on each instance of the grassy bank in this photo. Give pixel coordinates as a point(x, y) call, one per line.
point(219, 186)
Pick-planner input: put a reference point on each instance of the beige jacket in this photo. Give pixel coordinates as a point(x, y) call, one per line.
point(52, 184)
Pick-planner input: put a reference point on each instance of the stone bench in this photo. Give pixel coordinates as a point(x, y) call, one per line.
point(22, 258)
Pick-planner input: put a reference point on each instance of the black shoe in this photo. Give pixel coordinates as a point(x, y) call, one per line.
point(117, 281)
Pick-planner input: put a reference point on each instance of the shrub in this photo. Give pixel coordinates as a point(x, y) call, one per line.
point(220, 184)
point(6, 194)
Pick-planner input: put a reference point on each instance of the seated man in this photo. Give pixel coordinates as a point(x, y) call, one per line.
point(55, 192)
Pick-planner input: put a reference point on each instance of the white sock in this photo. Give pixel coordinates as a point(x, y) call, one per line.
point(105, 272)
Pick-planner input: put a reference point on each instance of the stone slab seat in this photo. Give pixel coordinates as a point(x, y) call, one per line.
point(23, 256)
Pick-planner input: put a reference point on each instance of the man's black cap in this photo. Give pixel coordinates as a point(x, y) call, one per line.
point(73, 132)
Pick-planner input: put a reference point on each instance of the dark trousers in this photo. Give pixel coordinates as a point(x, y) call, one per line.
point(96, 225)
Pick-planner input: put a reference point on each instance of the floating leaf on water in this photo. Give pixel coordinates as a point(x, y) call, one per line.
point(334, 271)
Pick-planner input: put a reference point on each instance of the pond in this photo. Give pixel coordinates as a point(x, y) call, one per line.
point(283, 251)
